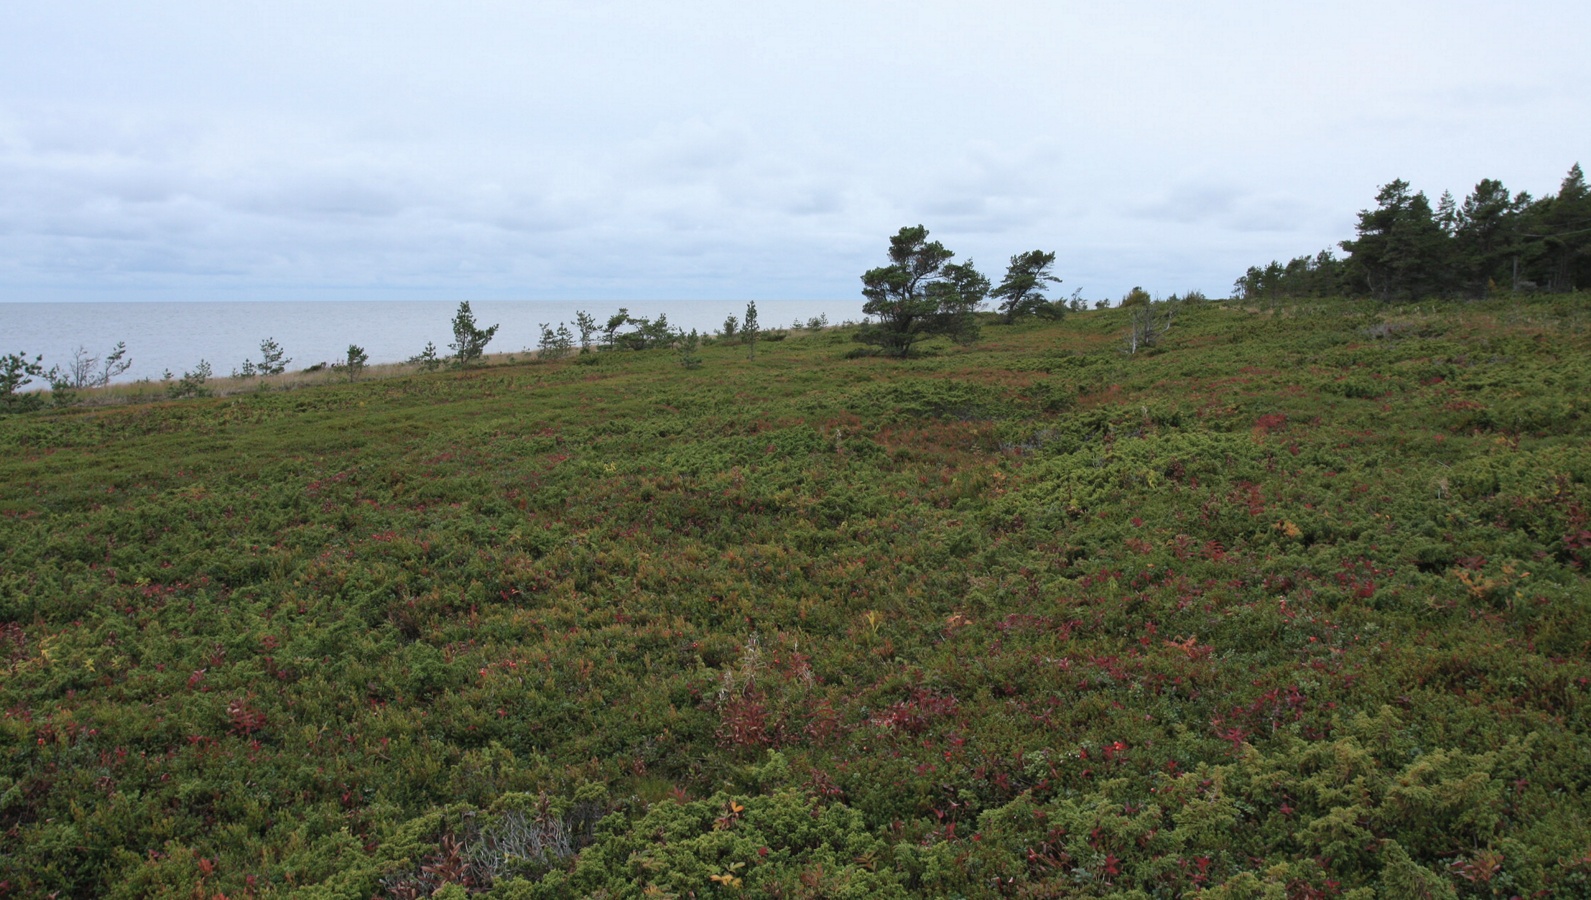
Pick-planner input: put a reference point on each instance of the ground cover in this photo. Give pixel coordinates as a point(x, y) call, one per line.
point(1291, 604)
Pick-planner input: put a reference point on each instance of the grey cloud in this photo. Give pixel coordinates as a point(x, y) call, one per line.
point(1190, 203)
point(959, 206)
point(993, 189)
point(690, 150)
point(570, 149)
point(325, 196)
point(1505, 98)
point(774, 190)
point(1226, 206)
point(1269, 213)
point(817, 201)
point(530, 218)
point(97, 135)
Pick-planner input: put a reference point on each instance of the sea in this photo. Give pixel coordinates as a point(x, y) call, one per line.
point(176, 336)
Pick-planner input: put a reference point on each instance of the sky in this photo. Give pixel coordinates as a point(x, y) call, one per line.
point(608, 150)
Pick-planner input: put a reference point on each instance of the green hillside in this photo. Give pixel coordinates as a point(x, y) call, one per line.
point(1292, 604)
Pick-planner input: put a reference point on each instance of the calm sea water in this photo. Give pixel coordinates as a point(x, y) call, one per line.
point(176, 336)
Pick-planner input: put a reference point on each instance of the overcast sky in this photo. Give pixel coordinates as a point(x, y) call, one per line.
point(670, 151)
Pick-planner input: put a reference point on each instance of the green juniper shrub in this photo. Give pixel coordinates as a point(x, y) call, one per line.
point(1022, 618)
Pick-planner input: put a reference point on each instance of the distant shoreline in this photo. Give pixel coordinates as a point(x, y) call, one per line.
point(176, 335)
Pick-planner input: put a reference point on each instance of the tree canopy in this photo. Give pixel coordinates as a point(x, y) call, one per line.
point(1021, 292)
point(1404, 250)
point(920, 294)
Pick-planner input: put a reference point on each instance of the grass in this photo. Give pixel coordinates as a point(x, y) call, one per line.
point(1293, 604)
point(149, 391)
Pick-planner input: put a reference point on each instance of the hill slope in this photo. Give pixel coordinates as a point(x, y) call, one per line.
point(1294, 604)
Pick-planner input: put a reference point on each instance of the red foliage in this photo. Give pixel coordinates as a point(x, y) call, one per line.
point(914, 714)
point(1269, 422)
point(1249, 495)
point(245, 718)
point(1266, 712)
point(823, 723)
point(1358, 577)
point(744, 721)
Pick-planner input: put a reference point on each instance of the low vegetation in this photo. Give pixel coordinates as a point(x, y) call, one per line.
point(1289, 602)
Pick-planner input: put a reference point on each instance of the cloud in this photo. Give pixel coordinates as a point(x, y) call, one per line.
point(1190, 203)
point(1228, 207)
point(325, 196)
point(565, 149)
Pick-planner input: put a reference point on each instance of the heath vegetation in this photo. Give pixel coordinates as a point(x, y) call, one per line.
point(1290, 602)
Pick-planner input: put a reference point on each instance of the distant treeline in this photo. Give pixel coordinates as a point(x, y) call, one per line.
point(1405, 250)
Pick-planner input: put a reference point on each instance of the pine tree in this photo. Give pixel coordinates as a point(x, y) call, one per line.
point(1401, 251)
point(354, 363)
point(1022, 289)
point(469, 341)
point(1484, 237)
point(17, 371)
point(1447, 213)
point(1568, 225)
point(588, 326)
point(749, 330)
point(919, 294)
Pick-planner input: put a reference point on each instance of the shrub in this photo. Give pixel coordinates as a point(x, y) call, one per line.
point(427, 359)
point(555, 344)
point(16, 372)
point(191, 384)
point(689, 345)
point(354, 363)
